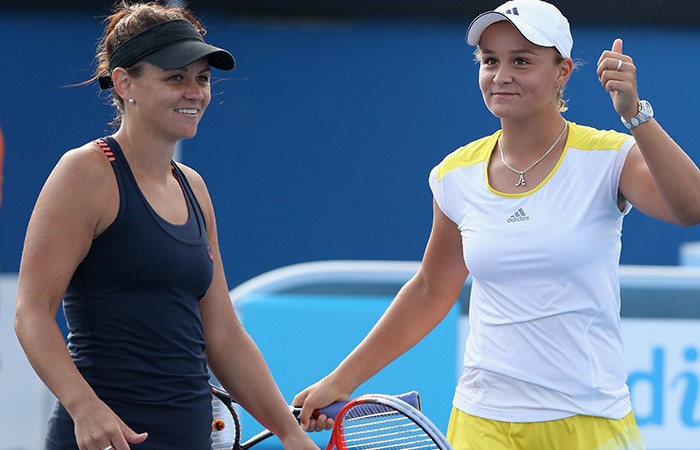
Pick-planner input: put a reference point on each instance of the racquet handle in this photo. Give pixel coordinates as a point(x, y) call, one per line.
point(332, 410)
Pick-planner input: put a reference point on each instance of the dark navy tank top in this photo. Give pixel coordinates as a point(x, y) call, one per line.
point(135, 332)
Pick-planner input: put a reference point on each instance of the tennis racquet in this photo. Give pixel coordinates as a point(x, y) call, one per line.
point(226, 426)
point(377, 421)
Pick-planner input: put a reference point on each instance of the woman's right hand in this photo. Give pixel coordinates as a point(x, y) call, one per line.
point(317, 396)
point(98, 427)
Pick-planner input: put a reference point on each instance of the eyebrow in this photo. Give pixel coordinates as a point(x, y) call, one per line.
point(186, 70)
point(517, 51)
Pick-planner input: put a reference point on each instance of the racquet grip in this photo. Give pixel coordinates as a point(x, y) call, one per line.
point(332, 410)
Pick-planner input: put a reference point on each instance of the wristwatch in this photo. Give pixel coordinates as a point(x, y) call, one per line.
point(645, 113)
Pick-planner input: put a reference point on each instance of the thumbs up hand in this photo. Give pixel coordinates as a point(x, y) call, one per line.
point(618, 75)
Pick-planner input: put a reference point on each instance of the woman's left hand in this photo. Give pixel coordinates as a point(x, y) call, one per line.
point(618, 75)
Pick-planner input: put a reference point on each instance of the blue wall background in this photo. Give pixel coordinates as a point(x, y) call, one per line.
point(319, 144)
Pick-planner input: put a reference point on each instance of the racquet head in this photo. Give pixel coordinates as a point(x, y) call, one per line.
point(382, 422)
point(225, 425)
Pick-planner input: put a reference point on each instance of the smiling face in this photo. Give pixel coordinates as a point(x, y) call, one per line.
point(518, 78)
point(170, 103)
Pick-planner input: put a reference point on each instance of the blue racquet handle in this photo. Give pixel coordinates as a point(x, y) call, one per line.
point(332, 410)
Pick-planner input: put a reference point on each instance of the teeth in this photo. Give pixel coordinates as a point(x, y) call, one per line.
point(186, 111)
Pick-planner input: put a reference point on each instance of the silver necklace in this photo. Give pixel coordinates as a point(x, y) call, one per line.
point(521, 180)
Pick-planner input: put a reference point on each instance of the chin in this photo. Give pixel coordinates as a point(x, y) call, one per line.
point(187, 134)
point(505, 113)
point(499, 113)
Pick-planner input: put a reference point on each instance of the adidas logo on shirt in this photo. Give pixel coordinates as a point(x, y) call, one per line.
point(518, 216)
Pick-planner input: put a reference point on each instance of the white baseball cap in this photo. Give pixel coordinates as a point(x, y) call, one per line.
point(539, 22)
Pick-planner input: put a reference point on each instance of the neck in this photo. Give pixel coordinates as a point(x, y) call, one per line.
point(145, 152)
point(526, 140)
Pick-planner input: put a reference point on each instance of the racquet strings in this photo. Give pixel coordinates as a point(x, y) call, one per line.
point(380, 427)
point(223, 427)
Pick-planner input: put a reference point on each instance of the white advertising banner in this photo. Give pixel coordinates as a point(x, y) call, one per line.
point(664, 380)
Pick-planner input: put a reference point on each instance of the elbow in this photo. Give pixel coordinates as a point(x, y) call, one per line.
point(687, 221)
point(28, 321)
point(683, 214)
point(22, 319)
point(19, 324)
point(688, 218)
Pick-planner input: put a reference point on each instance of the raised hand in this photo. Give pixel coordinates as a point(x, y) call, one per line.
point(618, 75)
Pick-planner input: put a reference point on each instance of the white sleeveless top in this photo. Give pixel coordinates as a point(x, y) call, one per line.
point(544, 314)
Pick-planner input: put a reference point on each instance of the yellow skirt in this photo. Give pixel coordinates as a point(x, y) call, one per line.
point(467, 432)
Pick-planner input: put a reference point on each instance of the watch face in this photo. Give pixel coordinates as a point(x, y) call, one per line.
point(645, 113)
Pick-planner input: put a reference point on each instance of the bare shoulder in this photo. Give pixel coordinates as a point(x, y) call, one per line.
point(83, 171)
point(192, 175)
point(83, 176)
point(196, 182)
point(86, 159)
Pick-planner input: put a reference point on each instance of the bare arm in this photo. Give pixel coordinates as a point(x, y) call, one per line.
point(69, 212)
point(233, 356)
point(418, 308)
point(659, 178)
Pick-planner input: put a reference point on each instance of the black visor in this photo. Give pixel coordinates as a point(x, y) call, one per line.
point(168, 45)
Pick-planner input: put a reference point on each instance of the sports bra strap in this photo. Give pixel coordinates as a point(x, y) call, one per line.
point(106, 148)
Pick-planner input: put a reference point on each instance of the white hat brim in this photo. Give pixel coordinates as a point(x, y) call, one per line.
point(483, 21)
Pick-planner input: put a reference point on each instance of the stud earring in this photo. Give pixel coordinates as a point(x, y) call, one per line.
point(131, 101)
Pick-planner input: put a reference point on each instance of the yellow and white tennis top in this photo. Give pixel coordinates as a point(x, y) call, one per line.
point(544, 314)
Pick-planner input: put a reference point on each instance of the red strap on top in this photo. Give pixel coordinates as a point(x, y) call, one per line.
point(106, 148)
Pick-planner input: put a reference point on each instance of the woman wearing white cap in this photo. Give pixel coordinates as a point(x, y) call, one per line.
point(534, 213)
point(126, 238)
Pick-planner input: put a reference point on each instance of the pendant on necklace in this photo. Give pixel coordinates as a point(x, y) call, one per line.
point(521, 180)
